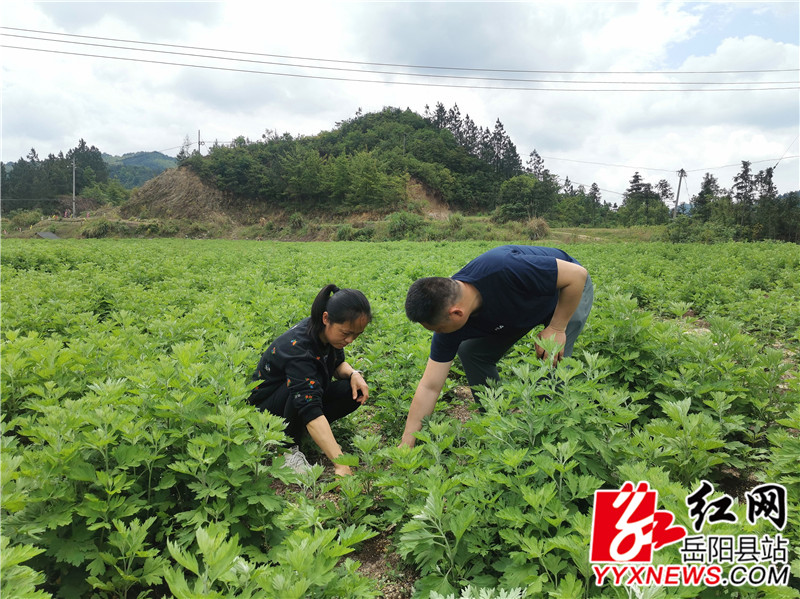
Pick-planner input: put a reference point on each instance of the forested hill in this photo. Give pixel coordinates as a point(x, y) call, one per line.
point(134, 169)
point(371, 163)
point(364, 163)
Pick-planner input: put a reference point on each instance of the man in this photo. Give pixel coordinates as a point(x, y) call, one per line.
point(485, 308)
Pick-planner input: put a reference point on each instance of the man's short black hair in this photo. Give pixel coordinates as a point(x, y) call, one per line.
point(429, 298)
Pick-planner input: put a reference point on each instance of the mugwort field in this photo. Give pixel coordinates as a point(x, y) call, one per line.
point(132, 465)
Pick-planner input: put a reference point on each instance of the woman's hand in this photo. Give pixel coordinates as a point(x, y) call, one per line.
point(342, 470)
point(359, 387)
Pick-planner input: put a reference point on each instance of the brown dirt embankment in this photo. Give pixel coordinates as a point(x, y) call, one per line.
point(180, 194)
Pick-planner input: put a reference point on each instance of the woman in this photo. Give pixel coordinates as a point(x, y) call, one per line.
point(305, 378)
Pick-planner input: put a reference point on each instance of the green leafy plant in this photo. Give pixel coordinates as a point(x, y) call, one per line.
point(125, 430)
point(17, 580)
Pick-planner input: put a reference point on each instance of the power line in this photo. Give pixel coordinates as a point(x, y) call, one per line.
point(599, 188)
point(784, 152)
point(641, 168)
point(412, 83)
point(665, 170)
point(372, 71)
point(406, 66)
point(645, 168)
point(713, 168)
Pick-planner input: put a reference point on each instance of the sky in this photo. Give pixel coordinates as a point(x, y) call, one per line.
point(600, 90)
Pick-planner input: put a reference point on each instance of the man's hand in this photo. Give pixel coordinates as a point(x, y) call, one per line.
point(570, 283)
point(425, 397)
point(555, 335)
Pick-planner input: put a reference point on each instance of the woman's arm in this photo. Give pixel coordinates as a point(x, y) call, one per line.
point(357, 382)
point(321, 433)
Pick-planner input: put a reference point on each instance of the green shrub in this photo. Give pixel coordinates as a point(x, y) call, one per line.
point(95, 229)
point(197, 230)
point(507, 212)
point(455, 222)
point(364, 233)
point(345, 232)
point(403, 225)
point(537, 228)
point(296, 221)
point(149, 229)
point(25, 219)
point(434, 231)
point(683, 229)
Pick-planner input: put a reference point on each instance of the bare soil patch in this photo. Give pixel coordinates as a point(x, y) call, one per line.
point(433, 207)
point(463, 407)
point(380, 563)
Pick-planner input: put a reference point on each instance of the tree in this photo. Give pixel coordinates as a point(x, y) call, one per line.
point(90, 158)
point(454, 124)
point(524, 196)
point(744, 194)
point(642, 205)
point(702, 202)
point(107, 193)
point(20, 181)
point(439, 116)
point(185, 151)
point(594, 194)
point(471, 136)
point(502, 152)
point(302, 173)
point(636, 184)
point(788, 225)
point(57, 172)
point(568, 189)
point(664, 190)
point(594, 199)
point(535, 165)
point(765, 186)
point(510, 162)
point(370, 188)
point(772, 213)
point(337, 178)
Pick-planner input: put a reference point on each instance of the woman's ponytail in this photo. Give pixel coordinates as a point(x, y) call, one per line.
point(318, 307)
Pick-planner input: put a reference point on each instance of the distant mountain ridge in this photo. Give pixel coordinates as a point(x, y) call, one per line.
point(136, 168)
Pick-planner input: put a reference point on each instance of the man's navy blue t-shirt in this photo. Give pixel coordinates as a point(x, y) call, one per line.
point(518, 290)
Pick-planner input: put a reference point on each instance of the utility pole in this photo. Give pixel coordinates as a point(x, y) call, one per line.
point(199, 143)
point(73, 186)
point(681, 175)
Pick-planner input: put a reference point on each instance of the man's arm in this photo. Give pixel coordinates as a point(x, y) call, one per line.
point(570, 282)
point(425, 397)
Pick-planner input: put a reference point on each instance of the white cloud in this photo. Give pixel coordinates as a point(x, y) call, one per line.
point(51, 100)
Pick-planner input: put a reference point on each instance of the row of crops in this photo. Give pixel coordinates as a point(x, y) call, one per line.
point(133, 467)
